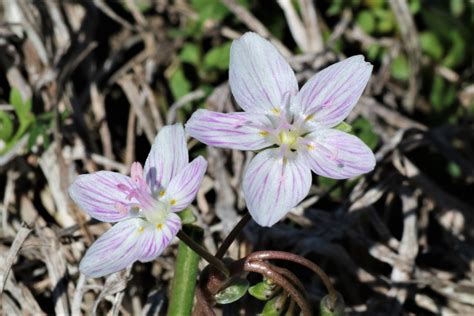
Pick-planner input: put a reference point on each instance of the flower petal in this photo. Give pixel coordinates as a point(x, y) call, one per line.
point(184, 187)
point(103, 195)
point(272, 186)
point(113, 251)
point(167, 157)
point(259, 76)
point(237, 130)
point(154, 240)
point(331, 94)
point(338, 155)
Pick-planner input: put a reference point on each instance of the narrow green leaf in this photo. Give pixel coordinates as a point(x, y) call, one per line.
point(6, 126)
point(430, 45)
point(179, 84)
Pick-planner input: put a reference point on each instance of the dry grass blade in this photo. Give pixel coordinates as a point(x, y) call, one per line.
point(20, 238)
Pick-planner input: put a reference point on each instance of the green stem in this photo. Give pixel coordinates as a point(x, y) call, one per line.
point(184, 281)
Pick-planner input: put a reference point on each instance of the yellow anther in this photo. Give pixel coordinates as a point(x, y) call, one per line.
point(309, 117)
point(159, 226)
point(263, 133)
point(141, 229)
point(310, 147)
point(162, 193)
point(276, 111)
point(173, 202)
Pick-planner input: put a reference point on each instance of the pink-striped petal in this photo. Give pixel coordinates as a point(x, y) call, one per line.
point(237, 130)
point(113, 251)
point(184, 187)
point(331, 94)
point(338, 155)
point(155, 239)
point(167, 157)
point(273, 185)
point(259, 76)
point(103, 195)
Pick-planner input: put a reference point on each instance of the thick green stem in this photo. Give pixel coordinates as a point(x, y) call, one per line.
point(185, 277)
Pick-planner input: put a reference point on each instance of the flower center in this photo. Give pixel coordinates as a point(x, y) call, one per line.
point(158, 214)
point(288, 138)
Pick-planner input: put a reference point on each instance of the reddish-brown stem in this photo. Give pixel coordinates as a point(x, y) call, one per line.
point(290, 276)
point(281, 255)
point(291, 308)
point(266, 270)
point(203, 307)
point(232, 235)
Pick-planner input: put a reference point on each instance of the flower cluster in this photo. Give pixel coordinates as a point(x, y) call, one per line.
point(292, 130)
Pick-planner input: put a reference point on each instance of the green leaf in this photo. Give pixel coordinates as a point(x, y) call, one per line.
point(179, 84)
point(263, 290)
point(218, 57)
point(15, 98)
point(443, 93)
point(385, 20)
point(414, 6)
point(399, 68)
point(457, 7)
point(335, 8)
point(22, 109)
point(274, 307)
point(187, 216)
point(363, 129)
point(329, 308)
point(366, 20)
point(344, 127)
point(6, 127)
point(454, 170)
point(190, 54)
point(373, 51)
point(430, 45)
point(210, 9)
point(455, 55)
point(233, 292)
point(374, 4)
